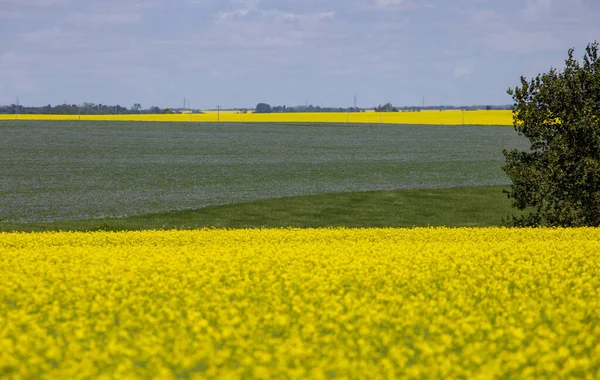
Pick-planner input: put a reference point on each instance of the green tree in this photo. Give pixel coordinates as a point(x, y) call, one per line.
point(263, 108)
point(557, 181)
point(388, 107)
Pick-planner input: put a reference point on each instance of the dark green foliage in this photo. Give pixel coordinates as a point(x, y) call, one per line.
point(267, 108)
point(388, 107)
point(263, 108)
point(74, 109)
point(558, 179)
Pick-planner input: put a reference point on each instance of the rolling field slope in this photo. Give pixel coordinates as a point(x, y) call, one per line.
point(65, 170)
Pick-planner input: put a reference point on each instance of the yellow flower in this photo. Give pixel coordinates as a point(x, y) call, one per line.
point(301, 303)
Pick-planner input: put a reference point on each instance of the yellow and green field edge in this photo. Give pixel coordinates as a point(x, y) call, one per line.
point(451, 207)
point(301, 303)
point(453, 117)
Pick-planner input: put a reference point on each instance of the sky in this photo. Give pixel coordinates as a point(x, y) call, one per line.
point(283, 52)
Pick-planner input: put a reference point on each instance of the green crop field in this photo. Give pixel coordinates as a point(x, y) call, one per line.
point(69, 170)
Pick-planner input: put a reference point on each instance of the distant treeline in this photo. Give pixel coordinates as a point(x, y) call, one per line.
point(103, 109)
point(266, 108)
point(388, 107)
point(86, 108)
point(466, 108)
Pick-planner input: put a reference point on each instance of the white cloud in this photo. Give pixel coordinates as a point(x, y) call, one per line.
point(15, 68)
point(403, 5)
point(270, 16)
point(111, 12)
point(505, 32)
point(456, 67)
point(117, 18)
point(461, 71)
point(255, 28)
point(536, 10)
point(539, 5)
point(35, 3)
point(233, 14)
point(313, 16)
point(22, 9)
point(43, 35)
point(295, 49)
point(53, 40)
point(524, 41)
point(11, 15)
point(485, 19)
point(451, 52)
point(387, 3)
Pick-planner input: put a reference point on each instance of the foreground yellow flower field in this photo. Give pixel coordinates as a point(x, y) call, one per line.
point(453, 117)
point(325, 303)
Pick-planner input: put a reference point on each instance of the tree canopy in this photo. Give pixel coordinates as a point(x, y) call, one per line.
point(263, 108)
point(73, 109)
point(388, 107)
point(557, 181)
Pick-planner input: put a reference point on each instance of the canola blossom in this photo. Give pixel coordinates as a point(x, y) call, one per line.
point(450, 117)
point(311, 303)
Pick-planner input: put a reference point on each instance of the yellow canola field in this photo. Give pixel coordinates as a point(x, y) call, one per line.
point(325, 303)
point(426, 117)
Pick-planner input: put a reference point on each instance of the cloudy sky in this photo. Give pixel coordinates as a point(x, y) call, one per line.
point(236, 53)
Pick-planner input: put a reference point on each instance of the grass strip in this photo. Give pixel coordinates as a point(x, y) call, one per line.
point(451, 207)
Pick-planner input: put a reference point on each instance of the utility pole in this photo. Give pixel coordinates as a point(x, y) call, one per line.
point(218, 114)
point(17, 110)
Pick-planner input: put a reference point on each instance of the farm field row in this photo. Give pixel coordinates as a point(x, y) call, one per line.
point(314, 303)
point(451, 117)
point(67, 170)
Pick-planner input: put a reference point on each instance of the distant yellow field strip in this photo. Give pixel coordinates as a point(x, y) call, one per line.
point(425, 117)
point(305, 304)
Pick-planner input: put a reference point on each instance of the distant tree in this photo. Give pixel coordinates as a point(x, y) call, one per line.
point(137, 107)
point(88, 108)
point(263, 108)
point(558, 178)
point(388, 107)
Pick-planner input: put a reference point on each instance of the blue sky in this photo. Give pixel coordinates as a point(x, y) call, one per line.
point(239, 53)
